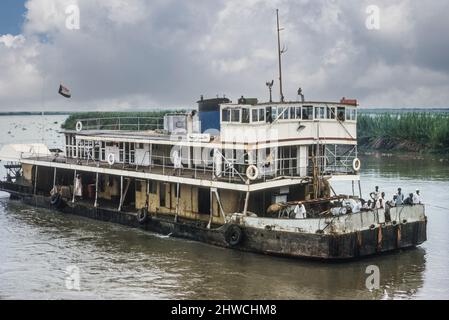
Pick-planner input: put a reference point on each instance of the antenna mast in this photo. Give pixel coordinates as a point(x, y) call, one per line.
point(280, 52)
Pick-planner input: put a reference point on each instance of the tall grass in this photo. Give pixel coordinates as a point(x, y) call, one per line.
point(430, 130)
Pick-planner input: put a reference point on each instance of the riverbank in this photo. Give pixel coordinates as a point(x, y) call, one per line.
point(415, 132)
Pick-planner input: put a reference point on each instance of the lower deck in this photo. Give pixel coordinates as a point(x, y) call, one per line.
point(129, 194)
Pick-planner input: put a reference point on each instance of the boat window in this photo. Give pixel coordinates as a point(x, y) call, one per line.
point(341, 113)
point(292, 113)
point(307, 113)
point(255, 115)
point(298, 112)
point(274, 113)
point(320, 113)
point(348, 114)
point(262, 114)
point(226, 115)
point(245, 115)
point(235, 115)
point(283, 113)
point(269, 115)
point(330, 113)
point(351, 114)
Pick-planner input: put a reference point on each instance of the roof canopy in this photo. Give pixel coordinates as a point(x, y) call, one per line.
point(16, 152)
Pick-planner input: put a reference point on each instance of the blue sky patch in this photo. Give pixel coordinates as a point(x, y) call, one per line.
point(11, 16)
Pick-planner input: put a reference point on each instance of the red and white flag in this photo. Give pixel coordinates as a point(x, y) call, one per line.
point(65, 92)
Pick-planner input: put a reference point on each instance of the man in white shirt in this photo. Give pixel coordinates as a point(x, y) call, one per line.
point(380, 203)
point(300, 212)
point(417, 197)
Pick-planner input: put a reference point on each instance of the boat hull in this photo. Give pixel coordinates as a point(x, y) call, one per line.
point(344, 246)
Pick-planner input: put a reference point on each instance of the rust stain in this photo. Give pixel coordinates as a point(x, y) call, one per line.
point(359, 239)
point(379, 238)
point(398, 236)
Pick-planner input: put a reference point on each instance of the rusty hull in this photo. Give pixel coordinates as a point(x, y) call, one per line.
point(384, 238)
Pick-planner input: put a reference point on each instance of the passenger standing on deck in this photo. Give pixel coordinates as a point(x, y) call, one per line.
point(300, 212)
point(409, 200)
point(399, 198)
point(417, 197)
point(380, 203)
point(376, 194)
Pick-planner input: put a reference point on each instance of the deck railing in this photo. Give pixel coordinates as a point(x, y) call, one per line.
point(121, 123)
point(230, 170)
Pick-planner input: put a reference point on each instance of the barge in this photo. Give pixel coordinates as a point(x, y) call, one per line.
point(249, 176)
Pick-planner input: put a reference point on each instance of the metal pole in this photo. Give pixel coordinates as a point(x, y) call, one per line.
point(279, 54)
point(147, 204)
point(177, 202)
point(211, 209)
point(245, 210)
point(54, 178)
point(35, 181)
point(74, 185)
point(121, 194)
point(96, 191)
point(360, 190)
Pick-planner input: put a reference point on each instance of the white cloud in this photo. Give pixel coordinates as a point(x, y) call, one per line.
point(137, 53)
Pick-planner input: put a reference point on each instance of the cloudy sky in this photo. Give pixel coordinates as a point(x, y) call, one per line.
point(157, 53)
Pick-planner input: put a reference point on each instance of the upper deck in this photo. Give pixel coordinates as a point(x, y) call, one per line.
point(244, 143)
point(243, 125)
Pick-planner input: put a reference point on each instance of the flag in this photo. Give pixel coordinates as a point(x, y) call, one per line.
point(63, 91)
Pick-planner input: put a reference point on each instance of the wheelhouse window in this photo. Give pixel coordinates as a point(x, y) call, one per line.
point(320, 113)
point(341, 113)
point(274, 113)
point(262, 114)
point(307, 113)
point(245, 115)
point(295, 113)
point(235, 115)
point(330, 112)
point(351, 114)
point(283, 113)
point(255, 115)
point(225, 115)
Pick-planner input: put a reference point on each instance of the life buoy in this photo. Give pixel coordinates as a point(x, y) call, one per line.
point(356, 164)
point(55, 199)
point(111, 159)
point(79, 126)
point(252, 172)
point(233, 235)
point(142, 215)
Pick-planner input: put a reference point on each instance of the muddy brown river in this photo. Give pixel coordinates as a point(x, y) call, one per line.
point(39, 249)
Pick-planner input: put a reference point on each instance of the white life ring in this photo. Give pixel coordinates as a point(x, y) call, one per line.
point(356, 164)
point(252, 172)
point(79, 126)
point(111, 159)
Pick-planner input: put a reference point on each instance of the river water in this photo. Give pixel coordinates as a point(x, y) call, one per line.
point(39, 248)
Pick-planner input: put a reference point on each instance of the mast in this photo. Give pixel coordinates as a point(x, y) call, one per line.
point(280, 52)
